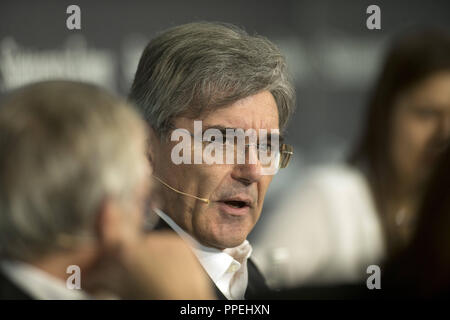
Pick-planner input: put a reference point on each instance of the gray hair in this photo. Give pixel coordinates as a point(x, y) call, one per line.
point(200, 66)
point(64, 148)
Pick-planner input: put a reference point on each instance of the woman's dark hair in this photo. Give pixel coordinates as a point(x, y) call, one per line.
point(410, 60)
point(423, 269)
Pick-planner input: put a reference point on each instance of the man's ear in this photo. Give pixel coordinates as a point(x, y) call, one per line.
point(109, 223)
point(153, 143)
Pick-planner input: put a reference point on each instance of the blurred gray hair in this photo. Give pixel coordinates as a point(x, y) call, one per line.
point(197, 67)
point(64, 148)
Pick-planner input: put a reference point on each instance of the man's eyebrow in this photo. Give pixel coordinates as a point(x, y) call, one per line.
point(223, 130)
point(218, 127)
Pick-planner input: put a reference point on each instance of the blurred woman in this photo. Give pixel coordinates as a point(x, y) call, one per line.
point(408, 127)
point(348, 216)
point(423, 268)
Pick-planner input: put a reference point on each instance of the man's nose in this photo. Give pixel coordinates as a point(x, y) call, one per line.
point(248, 172)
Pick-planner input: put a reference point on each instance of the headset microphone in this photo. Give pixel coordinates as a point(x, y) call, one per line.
point(181, 192)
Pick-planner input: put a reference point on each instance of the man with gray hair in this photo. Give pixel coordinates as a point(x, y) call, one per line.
point(217, 76)
point(74, 184)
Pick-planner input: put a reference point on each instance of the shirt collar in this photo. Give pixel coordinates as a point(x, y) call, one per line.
point(216, 262)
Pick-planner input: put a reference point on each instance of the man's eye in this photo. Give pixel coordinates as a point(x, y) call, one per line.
point(215, 139)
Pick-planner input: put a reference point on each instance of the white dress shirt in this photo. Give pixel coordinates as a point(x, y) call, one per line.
point(38, 284)
point(227, 268)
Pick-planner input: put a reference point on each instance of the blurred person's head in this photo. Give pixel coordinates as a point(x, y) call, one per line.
point(408, 121)
point(73, 174)
point(423, 268)
point(219, 74)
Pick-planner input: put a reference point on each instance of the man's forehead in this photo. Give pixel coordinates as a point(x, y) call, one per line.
point(229, 122)
point(254, 112)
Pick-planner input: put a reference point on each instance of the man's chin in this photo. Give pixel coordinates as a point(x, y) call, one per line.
point(224, 233)
point(224, 243)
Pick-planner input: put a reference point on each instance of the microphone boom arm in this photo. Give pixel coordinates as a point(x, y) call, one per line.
point(181, 192)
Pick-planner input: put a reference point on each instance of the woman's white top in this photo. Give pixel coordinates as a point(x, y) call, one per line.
point(325, 230)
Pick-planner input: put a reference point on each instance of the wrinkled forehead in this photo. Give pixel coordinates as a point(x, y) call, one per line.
point(244, 123)
point(256, 112)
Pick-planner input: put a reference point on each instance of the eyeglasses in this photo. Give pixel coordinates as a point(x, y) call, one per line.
point(278, 159)
point(286, 151)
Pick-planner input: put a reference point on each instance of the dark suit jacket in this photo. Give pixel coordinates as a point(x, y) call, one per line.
point(256, 282)
point(9, 291)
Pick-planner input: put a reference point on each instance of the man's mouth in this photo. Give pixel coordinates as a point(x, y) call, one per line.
point(235, 206)
point(235, 203)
